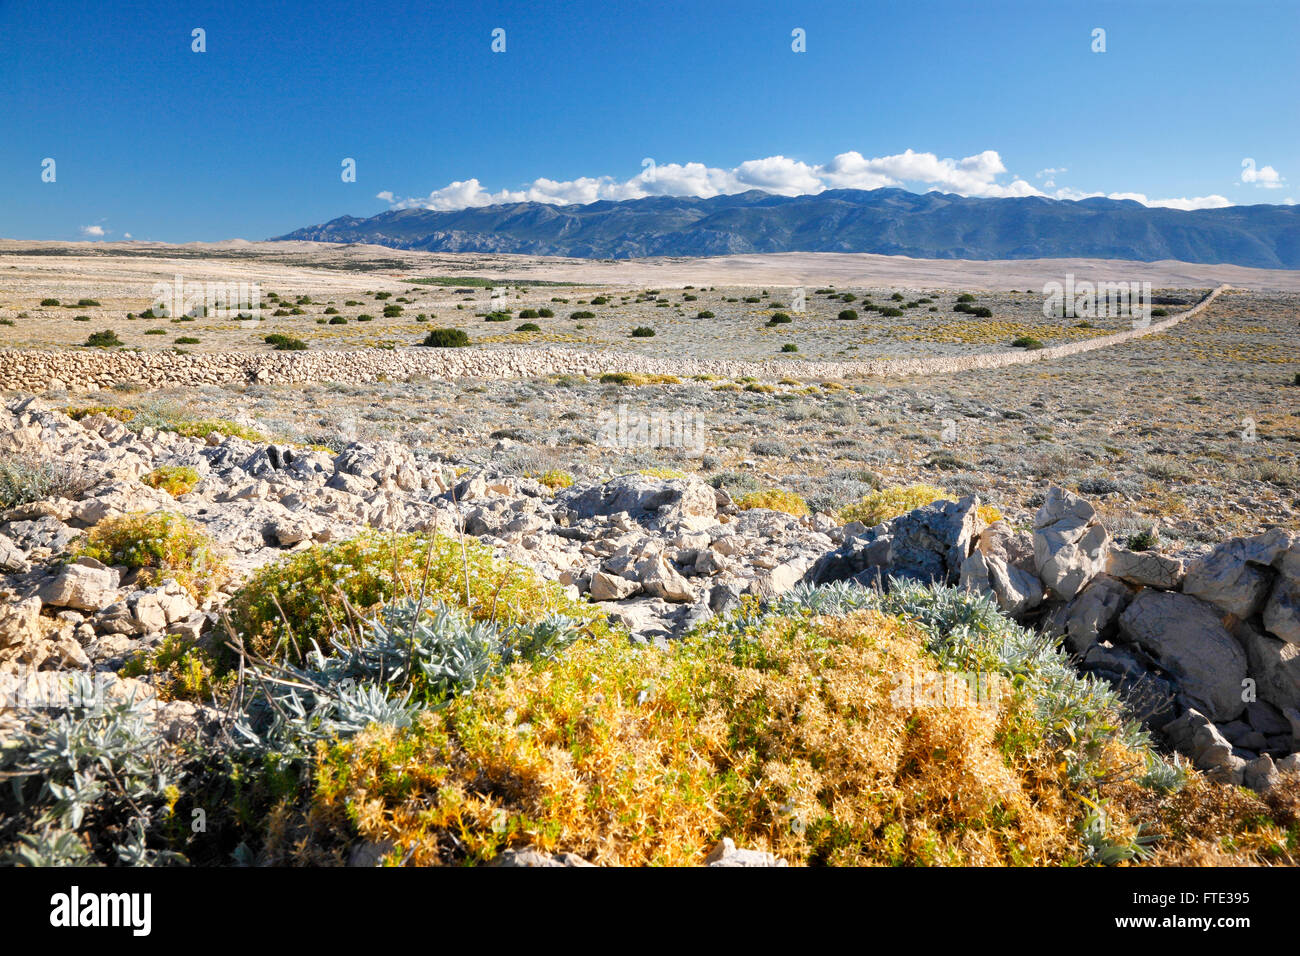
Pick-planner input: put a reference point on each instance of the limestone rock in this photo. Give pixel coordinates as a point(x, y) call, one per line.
point(1189, 640)
point(1069, 543)
point(81, 587)
point(1145, 568)
point(1235, 575)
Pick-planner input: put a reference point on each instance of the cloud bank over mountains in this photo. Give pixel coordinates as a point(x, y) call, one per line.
point(981, 175)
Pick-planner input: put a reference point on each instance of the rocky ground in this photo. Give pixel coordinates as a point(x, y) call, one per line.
point(1208, 648)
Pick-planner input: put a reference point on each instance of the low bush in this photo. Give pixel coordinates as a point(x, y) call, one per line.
point(285, 343)
point(847, 314)
point(112, 411)
point(773, 499)
point(643, 332)
point(106, 339)
point(555, 479)
point(638, 378)
point(287, 605)
point(528, 327)
point(886, 503)
point(789, 347)
point(176, 480)
point(159, 546)
point(26, 478)
point(1026, 342)
point(446, 338)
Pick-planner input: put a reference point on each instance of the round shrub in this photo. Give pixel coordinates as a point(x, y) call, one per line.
point(446, 338)
point(528, 327)
point(789, 347)
point(847, 314)
point(643, 332)
point(319, 587)
point(103, 340)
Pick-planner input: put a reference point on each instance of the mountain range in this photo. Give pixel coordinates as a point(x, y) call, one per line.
point(883, 221)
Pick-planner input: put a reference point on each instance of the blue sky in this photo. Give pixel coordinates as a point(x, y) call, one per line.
point(247, 139)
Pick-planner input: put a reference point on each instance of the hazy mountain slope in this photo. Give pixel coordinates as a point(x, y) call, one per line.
point(884, 221)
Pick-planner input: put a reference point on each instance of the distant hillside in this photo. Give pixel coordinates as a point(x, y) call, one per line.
point(883, 221)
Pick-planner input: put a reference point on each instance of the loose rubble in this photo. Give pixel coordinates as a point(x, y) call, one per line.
point(1208, 649)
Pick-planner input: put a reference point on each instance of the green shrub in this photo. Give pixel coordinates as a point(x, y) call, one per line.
point(285, 343)
point(317, 591)
point(176, 480)
point(159, 546)
point(847, 314)
point(103, 340)
point(528, 314)
point(643, 332)
point(582, 315)
point(446, 338)
point(390, 311)
point(187, 340)
point(965, 297)
point(546, 313)
point(789, 347)
point(1026, 342)
point(49, 302)
point(338, 320)
point(779, 318)
point(528, 327)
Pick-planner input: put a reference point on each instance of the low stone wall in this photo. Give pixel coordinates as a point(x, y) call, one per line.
point(38, 370)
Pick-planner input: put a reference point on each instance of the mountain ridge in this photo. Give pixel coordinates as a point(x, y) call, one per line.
point(882, 221)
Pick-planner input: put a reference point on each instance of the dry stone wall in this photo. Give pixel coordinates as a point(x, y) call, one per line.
point(39, 370)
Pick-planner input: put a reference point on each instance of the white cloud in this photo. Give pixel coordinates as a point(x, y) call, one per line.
point(1264, 177)
point(95, 232)
point(982, 175)
point(1197, 202)
point(973, 176)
